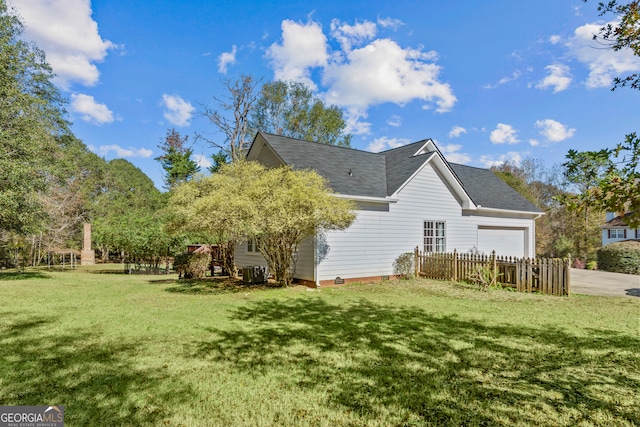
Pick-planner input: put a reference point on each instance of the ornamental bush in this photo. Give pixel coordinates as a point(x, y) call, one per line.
point(403, 266)
point(620, 257)
point(192, 266)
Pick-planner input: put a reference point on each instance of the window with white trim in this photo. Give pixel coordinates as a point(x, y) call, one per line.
point(617, 233)
point(434, 236)
point(252, 246)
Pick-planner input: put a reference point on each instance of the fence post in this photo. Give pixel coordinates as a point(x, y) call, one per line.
point(567, 276)
point(455, 265)
point(494, 268)
point(417, 262)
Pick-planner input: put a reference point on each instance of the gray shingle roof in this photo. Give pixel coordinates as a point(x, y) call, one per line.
point(334, 163)
point(401, 164)
point(361, 173)
point(618, 221)
point(487, 189)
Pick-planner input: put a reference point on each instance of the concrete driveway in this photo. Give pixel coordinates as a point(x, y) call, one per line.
point(603, 283)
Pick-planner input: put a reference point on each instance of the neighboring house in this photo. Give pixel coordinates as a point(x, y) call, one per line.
point(406, 197)
point(617, 230)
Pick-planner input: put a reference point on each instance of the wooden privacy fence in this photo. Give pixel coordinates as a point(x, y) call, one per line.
point(549, 276)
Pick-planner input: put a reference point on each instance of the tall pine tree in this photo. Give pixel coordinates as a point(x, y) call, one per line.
point(176, 159)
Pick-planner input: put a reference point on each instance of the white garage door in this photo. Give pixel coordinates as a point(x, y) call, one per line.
point(505, 241)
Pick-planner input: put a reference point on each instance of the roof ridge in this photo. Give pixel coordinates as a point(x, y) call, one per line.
point(469, 166)
point(318, 143)
point(404, 146)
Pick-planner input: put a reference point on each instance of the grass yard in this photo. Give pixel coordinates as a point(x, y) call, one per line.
point(119, 350)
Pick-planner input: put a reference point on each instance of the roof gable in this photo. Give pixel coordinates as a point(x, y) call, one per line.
point(404, 163)
point(618, 221)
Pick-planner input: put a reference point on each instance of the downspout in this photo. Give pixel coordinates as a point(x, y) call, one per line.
point(534, 234)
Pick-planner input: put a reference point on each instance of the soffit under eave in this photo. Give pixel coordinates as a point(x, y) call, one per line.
point(259, 144)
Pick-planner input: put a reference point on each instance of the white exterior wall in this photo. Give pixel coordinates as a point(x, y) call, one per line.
point(377, 237)
point(304, 264)
point(380, 234)
point(631, 234)
point(305, 261)
point(246, 259)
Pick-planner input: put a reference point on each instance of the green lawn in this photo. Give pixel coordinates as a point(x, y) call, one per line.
point(151, 350)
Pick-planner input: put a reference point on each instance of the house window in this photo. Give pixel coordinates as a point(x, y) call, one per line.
point(252, 246)
point(617, 234)
point(434, 236)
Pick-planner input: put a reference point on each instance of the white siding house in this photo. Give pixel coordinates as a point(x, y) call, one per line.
point(407, 197)
point(617, 230)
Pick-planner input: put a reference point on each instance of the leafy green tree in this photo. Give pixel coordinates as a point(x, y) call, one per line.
point(559, 231)
point(176, 159)
point(293, 206)
point(610, 180)
point(67, 198)
point(625, 34)
point(244, 200)
point(140, 237)
point(218, 207)
point(31, 116)
point(217, 161)
point(126, 193)
point(125, 187)
point(290, 109)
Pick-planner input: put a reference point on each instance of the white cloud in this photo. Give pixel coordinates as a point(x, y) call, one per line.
point(178, 111)
point(303, 46)
point(559, 78)
point(384, 72)
point(603, 63)
point(121, 152)
point(202, 161)
point(554, 131)
point(515, 76)
point(504, 133)
point(511, 157)
point(384, 143)
point(555, 39)
point(456, 131)
point(350, 35)
point(225, 59)
point(394, 121)
point(390, 23)
point(364, 72)
point(65, 30)
point(452, 153)
point(534, 142)
point(90, 110)
point(355, 122)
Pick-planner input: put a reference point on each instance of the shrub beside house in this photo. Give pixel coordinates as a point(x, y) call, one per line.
point(620, 257)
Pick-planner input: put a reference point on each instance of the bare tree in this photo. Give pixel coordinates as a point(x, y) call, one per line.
point(230, 115)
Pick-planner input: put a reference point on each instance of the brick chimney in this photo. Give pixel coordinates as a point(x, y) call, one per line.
point(87, 256)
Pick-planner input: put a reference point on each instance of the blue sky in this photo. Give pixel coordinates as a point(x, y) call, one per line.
point(488, 81)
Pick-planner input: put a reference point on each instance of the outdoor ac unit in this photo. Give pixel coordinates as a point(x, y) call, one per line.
point(254, 274)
